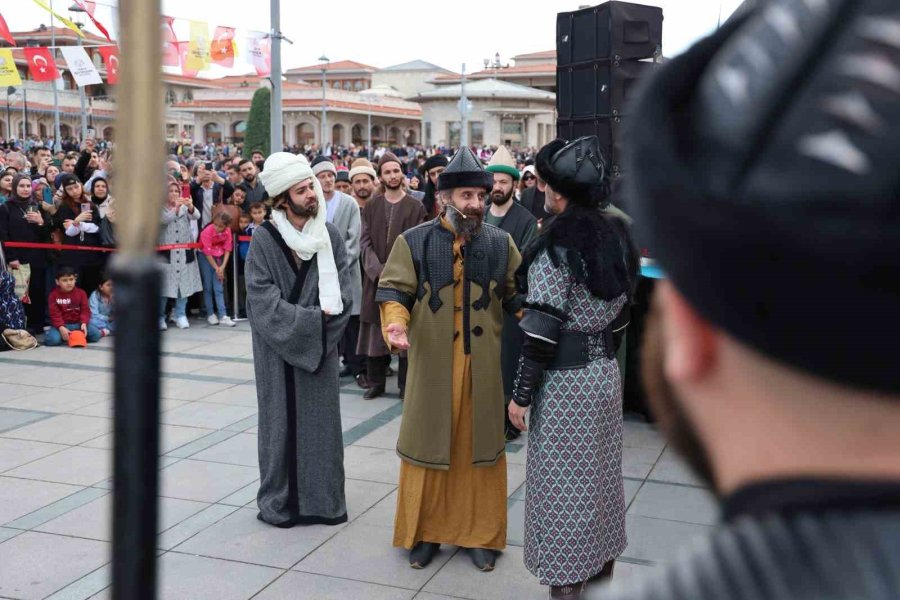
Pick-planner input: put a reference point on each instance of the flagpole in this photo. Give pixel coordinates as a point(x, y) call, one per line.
point(275, 134)
point(57, 143)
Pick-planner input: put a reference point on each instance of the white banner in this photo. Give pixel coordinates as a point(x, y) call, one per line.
point(259, 53)
point(80, 65)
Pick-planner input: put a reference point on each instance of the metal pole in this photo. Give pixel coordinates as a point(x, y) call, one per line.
point(137, 279)
point(463, 111)
point(24, 114)
point(324, 111)
point(236, 256)
point(84, 128)
point(369, 150)
point(57, 143)
point(276, 136)
point(8, 120)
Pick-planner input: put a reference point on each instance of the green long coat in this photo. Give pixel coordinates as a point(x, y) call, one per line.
point(421, 260)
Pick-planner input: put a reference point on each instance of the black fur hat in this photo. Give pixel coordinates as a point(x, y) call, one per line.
point(576, 170)
point(465, 170)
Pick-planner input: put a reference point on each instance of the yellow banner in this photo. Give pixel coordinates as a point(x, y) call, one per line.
point(198, 47)
point(62, 19)
point(9, 75)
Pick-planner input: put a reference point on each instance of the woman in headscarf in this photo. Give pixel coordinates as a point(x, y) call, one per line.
point(6, 186)
point(23, 220)
point(79, 219)
point(100, 195)
point(181, 273)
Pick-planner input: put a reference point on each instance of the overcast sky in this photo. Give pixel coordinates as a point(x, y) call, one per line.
point(383, 34)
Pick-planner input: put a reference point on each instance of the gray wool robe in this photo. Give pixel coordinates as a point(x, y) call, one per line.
point(301, 449)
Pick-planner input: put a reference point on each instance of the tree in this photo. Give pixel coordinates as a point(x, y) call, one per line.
point(258, 134)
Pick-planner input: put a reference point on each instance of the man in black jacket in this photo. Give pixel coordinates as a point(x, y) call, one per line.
point(763, 176)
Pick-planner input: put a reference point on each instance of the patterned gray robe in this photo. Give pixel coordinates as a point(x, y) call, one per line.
point(301, 449)
point(575, 499)
point(180, 278)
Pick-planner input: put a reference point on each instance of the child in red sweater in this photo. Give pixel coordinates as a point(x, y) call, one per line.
point(69, 310)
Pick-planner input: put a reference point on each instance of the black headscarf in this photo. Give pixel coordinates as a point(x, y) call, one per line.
point(14, 194)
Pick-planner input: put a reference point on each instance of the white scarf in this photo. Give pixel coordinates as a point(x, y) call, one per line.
point(314, 241)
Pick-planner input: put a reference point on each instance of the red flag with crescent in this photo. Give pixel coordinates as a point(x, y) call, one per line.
point(4, 32)
point(110, 56)
point(183, 49)
point(221, 50)
point(171, 49)
point(89, 8)
point(41, 64)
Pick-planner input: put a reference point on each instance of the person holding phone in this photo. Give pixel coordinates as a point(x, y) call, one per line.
point(79, 220)
point(23, 220)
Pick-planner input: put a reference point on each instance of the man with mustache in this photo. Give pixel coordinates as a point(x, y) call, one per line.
point(507, 214)
point(298, 302)
point(444, 292)
point(762, 175)
point(384, 218)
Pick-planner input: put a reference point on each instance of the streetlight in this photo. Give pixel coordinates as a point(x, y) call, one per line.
point(367, 94)
point(9, 92)
point(75, 10)
point(325, 62)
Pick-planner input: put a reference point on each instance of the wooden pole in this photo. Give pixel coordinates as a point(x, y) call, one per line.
point(139, 157)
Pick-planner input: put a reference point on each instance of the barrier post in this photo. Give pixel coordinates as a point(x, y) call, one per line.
point(234, 269)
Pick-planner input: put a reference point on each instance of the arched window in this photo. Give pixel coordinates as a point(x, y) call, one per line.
point(188, 96)
point(213, 133)
point(394, 135)
point(358, 85)
point(239, 130)
point(171, 98)
point(376, 134)
point(356, 134)
point(348, 86)
point(306, 134)
point(337, 134)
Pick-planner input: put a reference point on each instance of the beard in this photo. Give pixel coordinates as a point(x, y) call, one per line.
point(364, 194)
point(666, 405)
point(394, 187)
point(465, 228)
point(304, 212)
point(501, 199)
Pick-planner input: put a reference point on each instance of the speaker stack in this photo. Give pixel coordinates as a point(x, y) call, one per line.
point(601, 54)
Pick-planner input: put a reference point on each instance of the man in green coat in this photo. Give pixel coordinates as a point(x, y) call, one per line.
point(443, 293)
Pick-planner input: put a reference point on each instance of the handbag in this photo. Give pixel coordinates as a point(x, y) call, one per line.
point(233, 211)
point(19, 339)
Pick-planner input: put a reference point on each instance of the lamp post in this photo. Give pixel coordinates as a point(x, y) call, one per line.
point(9, 92)
point(76, 18)
point(57, 143)
point(368, 95)
point(325, 61)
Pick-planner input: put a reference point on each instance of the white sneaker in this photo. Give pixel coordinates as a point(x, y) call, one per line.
point(162, 324)
point(182, 323)
point(212, 320)
point(227, 322)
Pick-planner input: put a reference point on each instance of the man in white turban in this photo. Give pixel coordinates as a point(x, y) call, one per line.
point(298, 301)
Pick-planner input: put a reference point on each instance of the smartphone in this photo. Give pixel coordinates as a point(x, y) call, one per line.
point(209, 166)
point(85, 207)
point(47, 195)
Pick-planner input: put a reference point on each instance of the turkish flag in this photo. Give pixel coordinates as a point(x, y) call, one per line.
point(41, 64)
point(171, 49)
point(4, 32)
point(110, 56)
point(221, 50)
point(183, 49)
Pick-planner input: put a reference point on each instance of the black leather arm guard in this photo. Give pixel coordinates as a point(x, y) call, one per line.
point(536, 355)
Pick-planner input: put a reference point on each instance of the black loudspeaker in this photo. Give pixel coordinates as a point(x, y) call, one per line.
point(611, 31)
point(607, 130)
point(599, 88)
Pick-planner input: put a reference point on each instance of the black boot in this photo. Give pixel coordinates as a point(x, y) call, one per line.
point(374, 392)
point(422, 553)
point(483, 559)
point(375, 378)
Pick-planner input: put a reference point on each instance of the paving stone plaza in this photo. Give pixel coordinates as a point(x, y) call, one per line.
point(55, 490)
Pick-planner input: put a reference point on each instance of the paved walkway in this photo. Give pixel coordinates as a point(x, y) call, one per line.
point(55, 435)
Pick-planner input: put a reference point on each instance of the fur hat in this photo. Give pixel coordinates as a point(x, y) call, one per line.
point(576, 170)
point(283, 170)
point(465, 170)
point(503, 162)
point(388, 157)
point(438, 160)
point(322, 163)
point(362, 166)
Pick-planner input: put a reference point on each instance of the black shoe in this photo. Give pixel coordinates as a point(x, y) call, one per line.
point(567, 592)
point(363, 381)
point(345, 371)
point(402, 393)
point(390, 372)
point(421, 554)
point(483, 559)
point(511, 432)
point(374, 391)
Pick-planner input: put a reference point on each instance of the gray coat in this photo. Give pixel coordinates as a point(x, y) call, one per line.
point(346, 219)
point(181, 273)
point(295, 356)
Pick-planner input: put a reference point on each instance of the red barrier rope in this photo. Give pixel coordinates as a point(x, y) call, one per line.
point(40, 246)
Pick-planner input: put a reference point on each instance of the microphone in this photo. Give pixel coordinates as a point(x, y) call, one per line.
point(462, 214)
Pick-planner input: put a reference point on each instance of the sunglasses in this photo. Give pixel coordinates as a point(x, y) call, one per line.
point(529, 177)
